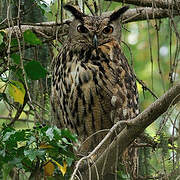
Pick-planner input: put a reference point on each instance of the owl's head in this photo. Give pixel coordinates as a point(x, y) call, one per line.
point(93, 31)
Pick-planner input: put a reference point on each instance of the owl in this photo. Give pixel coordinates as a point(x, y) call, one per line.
point(93, 85)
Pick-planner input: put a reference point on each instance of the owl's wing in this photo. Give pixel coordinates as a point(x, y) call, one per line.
point(128, 94)
point(125, 94)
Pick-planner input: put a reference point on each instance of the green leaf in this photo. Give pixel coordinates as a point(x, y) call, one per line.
point(14, 43)
point(35, 70)
point(1, 39)
point(50, 133)
point(7, 135)
point(68, 134)
point(31, 139)
point(66, 141)
point(33, 153)
point(57, 133)
point(30, 153)
point(40, 153)
point(17, 91)
point(31, 38)
point(19, 147)
point(16, 58)
point(20, 136)
point(69, 161)
point(7, 128)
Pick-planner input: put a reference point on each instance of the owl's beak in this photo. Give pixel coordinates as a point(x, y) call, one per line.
point(95, 41)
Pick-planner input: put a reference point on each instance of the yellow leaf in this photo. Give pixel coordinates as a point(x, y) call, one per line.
point(21, 144)
point(2, 87)
point(62, 168)
point(17, 91)
point(49, 168)
point(45, 146)
point(3, 30)
point(139, 87)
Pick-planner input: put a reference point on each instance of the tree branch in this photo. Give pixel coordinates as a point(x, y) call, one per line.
point(164, 4)
point(139, 14)
point(47, 30)
point(132, 130)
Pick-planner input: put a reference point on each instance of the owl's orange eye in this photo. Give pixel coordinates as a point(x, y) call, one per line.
point(108, 30)
point(82, 29)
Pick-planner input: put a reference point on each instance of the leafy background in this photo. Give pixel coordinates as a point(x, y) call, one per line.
point(151, 46)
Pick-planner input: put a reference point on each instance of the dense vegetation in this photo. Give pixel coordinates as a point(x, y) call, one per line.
point(152, 47)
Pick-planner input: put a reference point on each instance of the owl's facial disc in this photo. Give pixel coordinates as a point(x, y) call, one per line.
point(94, 31)
point(106, 31)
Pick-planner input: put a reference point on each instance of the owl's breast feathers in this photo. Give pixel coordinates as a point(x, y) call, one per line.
point(89, 86)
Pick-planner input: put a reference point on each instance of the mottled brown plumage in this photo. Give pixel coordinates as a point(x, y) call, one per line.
point(93, 84)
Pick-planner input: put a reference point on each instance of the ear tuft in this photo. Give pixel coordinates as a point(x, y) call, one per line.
point(75, 12)
point(116, 14)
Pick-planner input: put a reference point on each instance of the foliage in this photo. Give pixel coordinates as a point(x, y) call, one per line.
point(44, 148)
point(31, 38)
point(152, 47)
point(16, 73)
point(34, 70)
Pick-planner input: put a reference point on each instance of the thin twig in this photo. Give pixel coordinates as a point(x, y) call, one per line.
point(98, 146)
point(145, 87)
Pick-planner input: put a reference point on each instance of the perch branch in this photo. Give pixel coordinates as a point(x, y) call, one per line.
point(132, 130)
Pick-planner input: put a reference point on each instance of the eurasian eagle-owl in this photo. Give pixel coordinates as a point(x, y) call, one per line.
point(93, 85)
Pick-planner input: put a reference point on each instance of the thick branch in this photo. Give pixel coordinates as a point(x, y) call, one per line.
point(45, 30)
point(48, 29)
point(134, 128)
point(140, 14)
point(164, 4)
